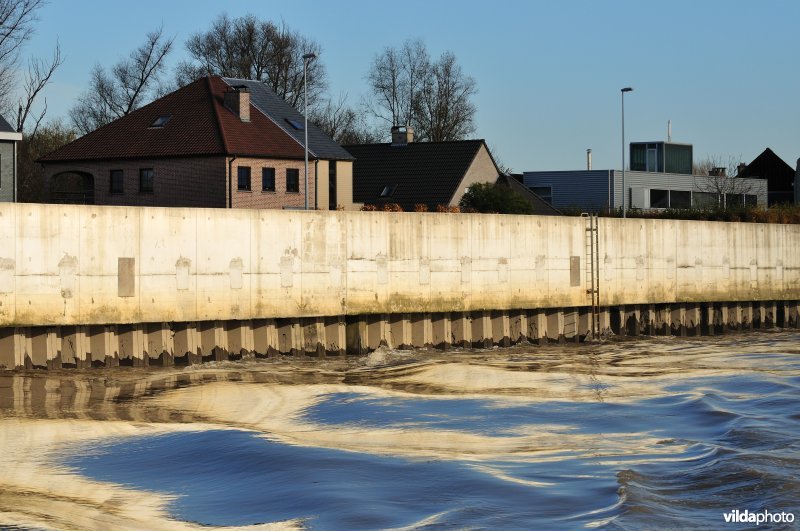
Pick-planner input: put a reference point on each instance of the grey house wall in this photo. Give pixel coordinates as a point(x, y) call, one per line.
point(6, 171)
point(590, 190)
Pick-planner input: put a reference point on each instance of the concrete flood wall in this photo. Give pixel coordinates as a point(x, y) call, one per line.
point(89, 285)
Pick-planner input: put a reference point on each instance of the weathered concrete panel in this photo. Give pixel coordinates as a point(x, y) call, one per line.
point(276, 246)
point(168, 264)
point(76, 265)
point(8, 265)
point(367, 263)
point(322, 264)
point(450, 261)
point(408, 265)
point(528, 270)
point(491, 248)
point(47, 246)
point(223, 264)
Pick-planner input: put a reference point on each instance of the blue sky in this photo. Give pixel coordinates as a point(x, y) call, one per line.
point(727, 73)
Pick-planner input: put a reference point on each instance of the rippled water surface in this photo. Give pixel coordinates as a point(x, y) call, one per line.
point(651, 433)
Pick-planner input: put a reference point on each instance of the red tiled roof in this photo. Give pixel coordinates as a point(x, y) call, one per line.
point(199, 125)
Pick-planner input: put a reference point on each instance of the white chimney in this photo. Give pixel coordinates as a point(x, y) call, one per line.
point(669, 130)
point(589, 159)
point(402, 135)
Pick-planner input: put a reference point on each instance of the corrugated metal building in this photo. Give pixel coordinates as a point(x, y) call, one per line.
point(594, 190)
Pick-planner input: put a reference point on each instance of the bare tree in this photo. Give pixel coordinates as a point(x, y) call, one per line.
point(47, 138)
point(131, 83)
point(711, 163)
point(36, 79)
point(344, 124)
point(433, 97)
point(498, 161)
point(718, 177)
point(396, 78)
point(444, 109)
point(17, 18)
point(249, 48)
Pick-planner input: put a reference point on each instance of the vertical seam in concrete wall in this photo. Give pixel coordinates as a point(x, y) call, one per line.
point(253, 219)
point(196, 264)
point(675, 262)
point(17, 211)
point(81, 223)
point(470, 252)
point(140, 253)
point(346, 231)
point(139, 212)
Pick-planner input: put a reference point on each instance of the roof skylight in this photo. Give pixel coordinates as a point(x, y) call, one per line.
point(297, 124)
point(388, 190)
point(161, 121)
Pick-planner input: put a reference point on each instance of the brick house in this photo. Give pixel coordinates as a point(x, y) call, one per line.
point(217, 142)
point(8, 161)
point(412, 173)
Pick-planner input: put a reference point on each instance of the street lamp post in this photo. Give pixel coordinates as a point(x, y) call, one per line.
point(307, 58)
point(623, 91)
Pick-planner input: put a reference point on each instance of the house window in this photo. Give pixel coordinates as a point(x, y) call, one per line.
point(652, 158)
point(332, 204)
point(244, 178)
point(659, 198)
point(146, 176)
point(750, 200)
point(293, 180)
point(680, 199)
point(268, 179)
point(705, 200)
point(115, 184)
point(734, 200)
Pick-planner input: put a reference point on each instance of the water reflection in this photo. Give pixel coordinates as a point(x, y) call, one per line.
point(665, 432)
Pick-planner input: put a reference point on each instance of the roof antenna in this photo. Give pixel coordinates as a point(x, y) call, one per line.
point(669, 130)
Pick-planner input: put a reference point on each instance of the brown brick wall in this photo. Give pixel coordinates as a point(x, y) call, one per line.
point(190, 182)
point(280, 198)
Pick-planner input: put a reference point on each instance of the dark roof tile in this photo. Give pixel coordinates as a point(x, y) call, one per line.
point(418, 172)
point(199, 125)
point(5, 127)
point(320, 145)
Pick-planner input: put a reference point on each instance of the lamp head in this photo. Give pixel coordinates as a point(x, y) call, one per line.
point(309, 56)
point(627, 89)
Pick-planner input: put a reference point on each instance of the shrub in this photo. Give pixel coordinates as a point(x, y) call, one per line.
point(490, 198)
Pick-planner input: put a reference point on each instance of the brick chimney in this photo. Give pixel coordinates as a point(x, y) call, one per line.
point(740, 169)
point(402, 135)
point(237, 100)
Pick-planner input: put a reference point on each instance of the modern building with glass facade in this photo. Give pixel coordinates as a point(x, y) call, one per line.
point(663, 157)
point(660, 177)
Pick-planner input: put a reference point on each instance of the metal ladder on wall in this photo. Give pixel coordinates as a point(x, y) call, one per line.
point(592, 270)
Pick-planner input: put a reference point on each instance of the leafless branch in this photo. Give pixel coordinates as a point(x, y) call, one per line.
point(36, 79)
point(249, 48)
point(126, 87)
point(433, 97)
